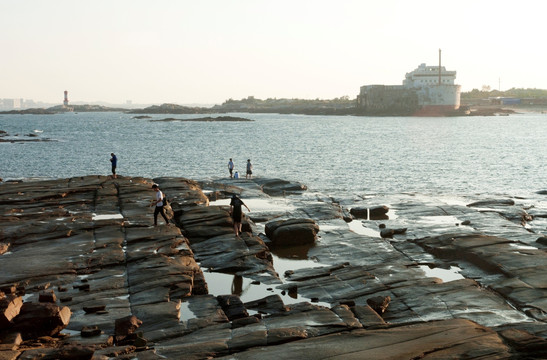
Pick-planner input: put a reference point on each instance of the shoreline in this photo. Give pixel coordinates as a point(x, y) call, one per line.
point(50, 227)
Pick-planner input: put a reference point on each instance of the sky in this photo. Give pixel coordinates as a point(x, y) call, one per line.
point(208, 51)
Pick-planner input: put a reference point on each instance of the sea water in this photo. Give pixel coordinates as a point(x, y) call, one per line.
point(336, 155)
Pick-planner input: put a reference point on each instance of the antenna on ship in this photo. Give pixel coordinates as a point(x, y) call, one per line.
point(439, 66)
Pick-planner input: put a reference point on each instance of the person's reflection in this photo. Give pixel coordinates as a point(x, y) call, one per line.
point(237, 285)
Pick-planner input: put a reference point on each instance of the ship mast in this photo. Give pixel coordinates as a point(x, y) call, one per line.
point(439, 66)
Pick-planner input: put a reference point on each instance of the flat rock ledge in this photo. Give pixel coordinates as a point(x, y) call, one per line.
point(85, 250)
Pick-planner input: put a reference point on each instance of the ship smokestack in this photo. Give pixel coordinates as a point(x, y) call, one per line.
point(439, 66)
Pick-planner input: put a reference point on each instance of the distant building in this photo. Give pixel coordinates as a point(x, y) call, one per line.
point(427, 90)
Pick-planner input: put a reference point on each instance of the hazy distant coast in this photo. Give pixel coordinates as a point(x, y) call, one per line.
point(473, 103)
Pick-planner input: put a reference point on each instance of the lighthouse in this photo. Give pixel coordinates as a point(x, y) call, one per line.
point(65, 101)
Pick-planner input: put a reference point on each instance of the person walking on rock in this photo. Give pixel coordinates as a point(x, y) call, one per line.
point(114, 161)
point(235, 212)
point(230, 167)
point(249, 174)
point(159, 202)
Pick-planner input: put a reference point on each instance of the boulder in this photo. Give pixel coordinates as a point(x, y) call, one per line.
point(292, 232)
point(359, 212)
point(379, 212)
point(126, 326)
point(41, 319)
point(47, 296)
point(492, 202)
point(279, 187)
point(388, 233)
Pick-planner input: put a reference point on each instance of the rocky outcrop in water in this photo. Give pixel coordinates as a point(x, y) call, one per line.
point(119, 287)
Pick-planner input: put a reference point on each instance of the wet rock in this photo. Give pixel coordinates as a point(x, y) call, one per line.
point(272, 304)
point(379, 213)
point(47, 296)
point(10, 306)
point(10, 341)
point(279, 187)
point(246, 255)
point(126, 326)
point(232, 306)
point(492, 202)
point(41, 319)
point(90, 331)
point(388, 233)
point(542, 240)
point(4, 247)
point(359, 212)
point(292, 232)
point(367, 316)
point(203, 223)
point(524, 342)
point(379, 303)
point(67, 352)
point(236, 323)
point(89, 309)
point(445, 339)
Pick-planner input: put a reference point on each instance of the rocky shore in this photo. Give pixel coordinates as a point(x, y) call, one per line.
point(84, 275)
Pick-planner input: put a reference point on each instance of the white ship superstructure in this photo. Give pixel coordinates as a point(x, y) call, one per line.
point(427, 90)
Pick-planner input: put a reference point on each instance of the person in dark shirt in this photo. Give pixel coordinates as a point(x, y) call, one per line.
point(235, 212)
point(114, 161)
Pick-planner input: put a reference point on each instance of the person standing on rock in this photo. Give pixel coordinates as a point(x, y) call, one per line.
point(159, 202)
point(230, 167)
point(114, 161)
point(249, 174)
point(235, 212)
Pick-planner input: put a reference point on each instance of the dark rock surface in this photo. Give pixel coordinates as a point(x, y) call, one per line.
point(90, 238)
point(292, 232)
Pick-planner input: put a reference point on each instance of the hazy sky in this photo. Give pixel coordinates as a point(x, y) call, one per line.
point(190, 51)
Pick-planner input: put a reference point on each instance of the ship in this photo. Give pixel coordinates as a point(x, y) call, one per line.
point(426, 91)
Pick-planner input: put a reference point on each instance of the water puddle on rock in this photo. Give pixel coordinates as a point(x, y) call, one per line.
point(360, 228)
point(523, 247)
point(96, 217)
point(247, 289)
point(446, 275)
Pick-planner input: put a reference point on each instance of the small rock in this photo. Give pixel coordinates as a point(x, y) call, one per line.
point(379, 213)
point(47, 296)
point(90, 331)
point(379, 303)
point(359, 212)
point(542, 240)
point(94, 308)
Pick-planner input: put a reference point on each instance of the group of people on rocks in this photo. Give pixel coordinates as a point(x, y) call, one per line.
point(160, 201)
point(248, 174)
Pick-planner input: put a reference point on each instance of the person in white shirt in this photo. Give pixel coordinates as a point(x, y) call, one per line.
point(159, 202)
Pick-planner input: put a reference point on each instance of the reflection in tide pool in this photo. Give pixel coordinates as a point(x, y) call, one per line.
point(249, 290)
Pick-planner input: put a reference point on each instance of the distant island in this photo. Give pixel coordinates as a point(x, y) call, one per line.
point(483, 102)
point(207, 119)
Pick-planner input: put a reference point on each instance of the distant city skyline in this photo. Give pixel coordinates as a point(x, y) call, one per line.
point(206, 52)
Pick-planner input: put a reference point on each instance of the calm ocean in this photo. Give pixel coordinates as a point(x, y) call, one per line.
point(336, 155)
